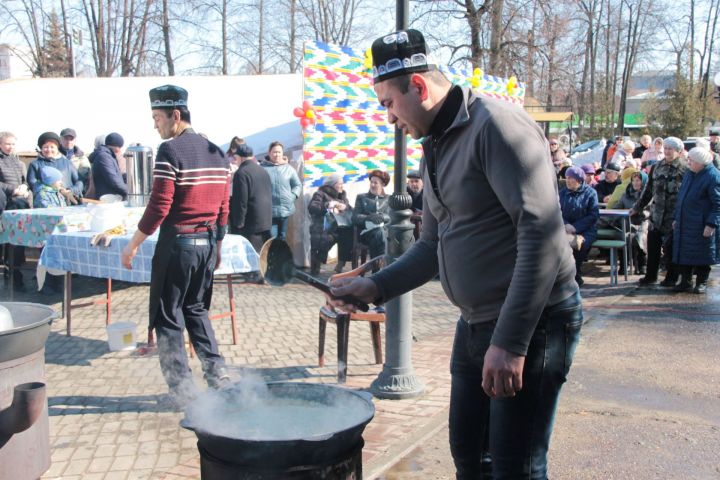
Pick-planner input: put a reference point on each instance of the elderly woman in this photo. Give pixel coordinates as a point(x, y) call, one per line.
point(696, 243)
point(653, 154)
point(50, 156)
point(580, 213)
point(330, 215)
point(371, 213)
point(286, 187)
point(639, 222)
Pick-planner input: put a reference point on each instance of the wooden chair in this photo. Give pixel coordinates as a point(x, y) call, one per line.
point(342, 321)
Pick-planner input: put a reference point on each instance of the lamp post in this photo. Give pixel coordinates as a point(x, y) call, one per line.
point(397, 379)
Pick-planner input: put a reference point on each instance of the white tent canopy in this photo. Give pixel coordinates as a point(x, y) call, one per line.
point(259, 107)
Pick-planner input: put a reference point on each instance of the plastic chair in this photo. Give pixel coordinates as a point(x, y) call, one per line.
point(342, 321)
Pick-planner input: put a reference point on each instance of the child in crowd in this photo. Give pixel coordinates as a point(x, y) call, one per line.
point(48, 194)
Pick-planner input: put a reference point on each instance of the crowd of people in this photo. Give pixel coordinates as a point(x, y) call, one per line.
point(672, 194)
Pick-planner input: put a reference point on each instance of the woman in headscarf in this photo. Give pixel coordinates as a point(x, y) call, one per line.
point(638, 222)
point(696, 243)
point(371, 213)
point(328, 204)
point(580, 213)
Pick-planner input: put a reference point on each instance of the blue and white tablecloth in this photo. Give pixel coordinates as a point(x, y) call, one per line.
point(72, 252)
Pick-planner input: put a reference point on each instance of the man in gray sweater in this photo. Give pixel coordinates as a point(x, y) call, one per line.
point(492, 228)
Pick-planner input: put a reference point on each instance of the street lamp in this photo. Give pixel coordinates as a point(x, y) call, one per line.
point(397, 379)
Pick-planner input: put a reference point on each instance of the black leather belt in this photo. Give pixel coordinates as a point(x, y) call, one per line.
point(198, 242)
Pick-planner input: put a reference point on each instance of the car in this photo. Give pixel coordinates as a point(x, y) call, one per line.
point(588, 152)
point(586, 146)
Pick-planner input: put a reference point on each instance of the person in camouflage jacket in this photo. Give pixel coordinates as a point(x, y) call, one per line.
point(662, 189)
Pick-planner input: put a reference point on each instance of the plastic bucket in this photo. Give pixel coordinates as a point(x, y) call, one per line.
point(121, 336)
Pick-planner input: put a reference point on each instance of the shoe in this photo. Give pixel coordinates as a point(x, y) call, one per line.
point(700, 288)
point(219, 379)
point(339, 267)
point(683, 286)
point(18, 283)
point(179, 396)
point(579, 280)
point(644, 281)
point(668, 282)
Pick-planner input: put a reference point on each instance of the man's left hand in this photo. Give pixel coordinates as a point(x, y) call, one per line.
point(127, 255)
point(708, 231)
point(502, 372)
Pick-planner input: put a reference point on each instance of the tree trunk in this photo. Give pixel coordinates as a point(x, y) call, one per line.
point(496, 32)
point(224, 21)
point(261, 30)
point(293, 35)
point(166, 39)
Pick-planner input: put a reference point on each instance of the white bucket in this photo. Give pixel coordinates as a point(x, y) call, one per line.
point(121, 336)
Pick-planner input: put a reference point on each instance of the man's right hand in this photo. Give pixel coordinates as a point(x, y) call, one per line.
point(359, 287)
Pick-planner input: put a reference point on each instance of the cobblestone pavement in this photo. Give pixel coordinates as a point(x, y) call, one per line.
point(105, 418)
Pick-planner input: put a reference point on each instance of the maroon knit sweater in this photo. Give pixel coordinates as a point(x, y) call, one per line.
point(190, 186)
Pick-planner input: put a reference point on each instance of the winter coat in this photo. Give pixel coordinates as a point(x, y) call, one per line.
point(367, 204)
point(106, 173)
point(662, 188)
point(286, 187)
point(70, 174)
point(251, 202)
point(580, 209)
point(13, 173)
point(318, 207)
point(698, 205)
point(605, 188)
point(47, 197)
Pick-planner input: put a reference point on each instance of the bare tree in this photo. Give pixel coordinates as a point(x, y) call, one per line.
point(28, 20)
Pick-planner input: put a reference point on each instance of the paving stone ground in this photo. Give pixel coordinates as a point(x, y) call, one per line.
point(106, 421)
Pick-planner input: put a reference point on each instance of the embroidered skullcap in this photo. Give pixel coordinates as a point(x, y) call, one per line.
point(168, 96)
point(400, 53)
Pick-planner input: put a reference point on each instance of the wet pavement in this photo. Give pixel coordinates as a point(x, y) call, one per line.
point(641, 401)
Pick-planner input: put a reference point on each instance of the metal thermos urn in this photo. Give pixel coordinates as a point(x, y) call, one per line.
point(139, 163)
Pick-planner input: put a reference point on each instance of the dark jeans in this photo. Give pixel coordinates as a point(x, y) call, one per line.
point(702, 272)
point(659, 244)
point(279, 227)
point(508, 438)
point(185, 303)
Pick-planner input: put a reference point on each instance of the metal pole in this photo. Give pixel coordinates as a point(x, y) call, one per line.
point(397, 379)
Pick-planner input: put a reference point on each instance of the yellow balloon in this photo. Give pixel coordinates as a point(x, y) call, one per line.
point(368, 59)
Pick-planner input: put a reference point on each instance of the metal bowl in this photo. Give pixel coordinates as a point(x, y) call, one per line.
point(32, 327)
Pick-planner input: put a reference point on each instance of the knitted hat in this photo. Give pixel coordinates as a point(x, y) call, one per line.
point(588, 169)
point(700, 155)
point(332, 179)
point(244, 150)
point(400, 53)
point(114, 140)
point(576, 173)
point(48, 137)
point(168, 96)
point(674, 143)
point(50, 175)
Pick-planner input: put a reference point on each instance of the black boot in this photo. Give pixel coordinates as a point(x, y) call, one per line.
point(701, 281)
point(671, 277)
point(685, 284)
point(314, 265)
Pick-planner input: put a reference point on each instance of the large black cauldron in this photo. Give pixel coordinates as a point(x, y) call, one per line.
point(311, 457)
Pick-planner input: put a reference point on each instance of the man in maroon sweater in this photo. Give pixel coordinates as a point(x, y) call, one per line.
point(189, 203)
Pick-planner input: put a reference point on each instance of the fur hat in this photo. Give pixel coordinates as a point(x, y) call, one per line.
point(383, 176)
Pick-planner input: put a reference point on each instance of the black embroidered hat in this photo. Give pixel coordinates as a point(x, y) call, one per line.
point(168, 96)
point(400, 53)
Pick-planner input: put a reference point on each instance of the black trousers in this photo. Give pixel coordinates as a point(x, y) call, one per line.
point(702, 272)
point(660, 245)
point(184, 303)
